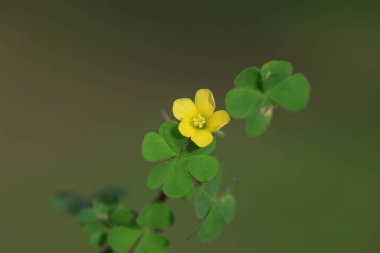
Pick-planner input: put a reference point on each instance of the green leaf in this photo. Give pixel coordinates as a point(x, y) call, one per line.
point(169, 131)
point(87, 215)
point(122, 216)
point(68, 202)
point(248, 78)
point(205, 196)
point(178, 183)
point(227, 207)
point(193, 149)
point(156, 216)
point(159, 174)
point(274, 72)
point(122, 239)
point(258, 120)
point(212, 226)
point(109, 196)
point(292, 93)
point(152, 243)
point(202, 167)
point(98, 239)
point(93, 227)
point(155, 148)
point(240, 102)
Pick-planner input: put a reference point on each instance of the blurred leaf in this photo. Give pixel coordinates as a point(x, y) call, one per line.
point(258, 120)
point(98, 239)
point(274, 72)
point(159, 174)
point(240, 102)
point(248, 78)
point(87, 215)
point(122, 239)
point(202, 167)
point(93, 227)
point(169, 131)
point(155, 148)
point(211, 227)
point(292, 93)
point(152, 243)
point(193, 149)
point(206, 195)
point(155, 216)
point(68, 202)
point(178, 183)
point(109, 196)
point(227, 207)
point(122, 216)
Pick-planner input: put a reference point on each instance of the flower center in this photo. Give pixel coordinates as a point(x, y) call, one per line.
point(199, 121)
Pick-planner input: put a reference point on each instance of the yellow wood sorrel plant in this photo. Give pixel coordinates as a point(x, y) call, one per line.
point(187, 169)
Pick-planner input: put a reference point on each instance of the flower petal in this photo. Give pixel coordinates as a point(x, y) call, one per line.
point(205, 103)
point(183, 107)
point(218, 120)
point(186, 128)
point(202, 138)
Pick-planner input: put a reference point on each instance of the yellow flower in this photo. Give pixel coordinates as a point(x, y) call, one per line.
point(199, 119)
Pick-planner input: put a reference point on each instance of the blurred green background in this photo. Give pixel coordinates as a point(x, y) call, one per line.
point(81, 82)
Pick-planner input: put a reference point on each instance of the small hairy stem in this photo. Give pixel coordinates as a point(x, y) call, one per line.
point(161, 197)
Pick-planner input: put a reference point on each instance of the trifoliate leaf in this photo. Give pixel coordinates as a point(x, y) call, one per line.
point(155, 216)
point(227, 207)
point(121, 239)
point(193, 149)
point(202, 167)
point(160, 173)
point(169, 131)
point(274, 72)
point(240, 102)
point(292, 93)
point(206, 195)
point(155, 148)
point(122, 216)
point(152, 243)
point(212, 226)
point(258, 120)
point(178, 183)
point(248, 78)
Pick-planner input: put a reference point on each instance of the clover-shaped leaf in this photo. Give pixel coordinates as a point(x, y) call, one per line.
point(202, 167)
point(152, 243)
point(241, 101)
point(121, 239)
point(258, 120)
point(184, 161)
point(155, 148)
point(156, 216)
point(258, 92)
point(292, 93)
point(227, 207)
point(215, 212)
point(248, 78)
point(273, 72)
point(122, 216)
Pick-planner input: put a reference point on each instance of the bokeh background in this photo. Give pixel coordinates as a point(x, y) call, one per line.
point(81, 82)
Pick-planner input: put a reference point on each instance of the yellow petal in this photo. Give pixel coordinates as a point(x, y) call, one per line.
point(218, 120)
point(202, 137)
point(205, 103)
point(186, 128)
point(183, 108)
